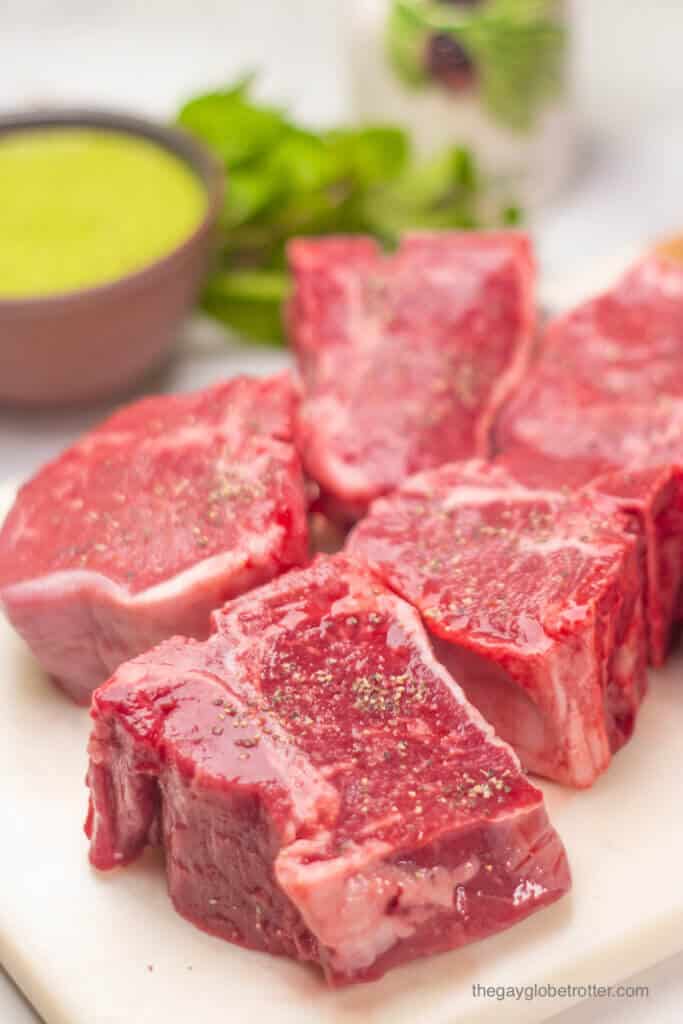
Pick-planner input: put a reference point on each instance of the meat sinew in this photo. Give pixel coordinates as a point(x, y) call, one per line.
point(607, 395)
point(150, 522)
point(405, 359)
point(321, 786)
point(534, 601)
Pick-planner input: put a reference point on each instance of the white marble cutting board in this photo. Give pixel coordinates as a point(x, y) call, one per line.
point(108, 949)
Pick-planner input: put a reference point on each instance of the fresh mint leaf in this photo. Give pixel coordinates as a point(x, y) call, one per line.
point(250, 302)
point(370, 155)
point(406, 43)
point(236, 129)
point(250, 192)
point(440, 194)
point(303, 162)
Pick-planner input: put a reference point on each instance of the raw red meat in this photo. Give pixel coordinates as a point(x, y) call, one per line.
point(551, 442)
point(321, 786)
point(607, 394)
point(535, 603)
point(150, 522)
point(405, 359)
point(651, 497)
point(652, 501)
point(622, 347)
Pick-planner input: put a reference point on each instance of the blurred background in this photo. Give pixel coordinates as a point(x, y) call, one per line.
point(149, 56)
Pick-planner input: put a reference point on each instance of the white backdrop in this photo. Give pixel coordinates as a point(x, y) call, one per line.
point(148, 55)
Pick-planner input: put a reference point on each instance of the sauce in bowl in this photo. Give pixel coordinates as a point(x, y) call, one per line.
point(85, 207)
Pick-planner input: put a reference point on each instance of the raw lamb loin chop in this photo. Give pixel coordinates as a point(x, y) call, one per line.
point(405, 359)
point(534, 601)
point(150, 522)
point(605, 395)
point(321, 786)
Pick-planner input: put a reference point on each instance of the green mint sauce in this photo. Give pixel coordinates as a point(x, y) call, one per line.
point(84, 207)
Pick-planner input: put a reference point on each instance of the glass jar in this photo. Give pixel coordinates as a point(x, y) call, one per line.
point(491, 75)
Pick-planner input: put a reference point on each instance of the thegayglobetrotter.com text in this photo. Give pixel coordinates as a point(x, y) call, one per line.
point(528, 993)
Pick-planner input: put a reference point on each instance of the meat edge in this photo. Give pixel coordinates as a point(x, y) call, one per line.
point(81, 626)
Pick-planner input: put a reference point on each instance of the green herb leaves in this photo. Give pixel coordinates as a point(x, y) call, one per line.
point(249, 301)
point(254, 130)
point(442, 194)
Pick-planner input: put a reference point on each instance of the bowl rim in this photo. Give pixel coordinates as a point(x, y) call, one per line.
point(175, 140)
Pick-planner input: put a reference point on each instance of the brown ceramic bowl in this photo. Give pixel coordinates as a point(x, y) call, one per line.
point(92, 343)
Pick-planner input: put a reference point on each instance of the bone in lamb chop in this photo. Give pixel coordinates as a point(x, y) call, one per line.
point(405, 359)
point(151, 521)
point(533, 599)
point(321, 786)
